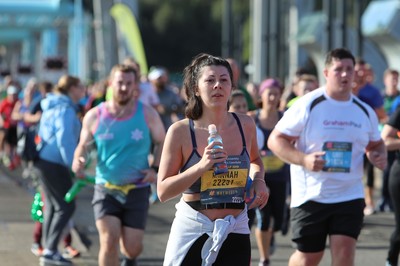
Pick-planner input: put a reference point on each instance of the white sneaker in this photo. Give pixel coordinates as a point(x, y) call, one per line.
point(36, 249)
point(369, 210)
point(54, 259)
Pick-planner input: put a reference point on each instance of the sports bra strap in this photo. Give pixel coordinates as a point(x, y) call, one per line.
point(194, 143)
point(241, 129)
point(191, 125)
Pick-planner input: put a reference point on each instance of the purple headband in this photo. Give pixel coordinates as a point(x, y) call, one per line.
point(268, 83)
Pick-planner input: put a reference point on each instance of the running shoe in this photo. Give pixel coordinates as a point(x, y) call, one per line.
point(369, 210)
point(388, 263)
point(128, 262)
point(264, 263)
point(70, 252)
point(54, 259)
point(37, 249)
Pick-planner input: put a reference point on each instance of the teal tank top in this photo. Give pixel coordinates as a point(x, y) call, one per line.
point(123, 146)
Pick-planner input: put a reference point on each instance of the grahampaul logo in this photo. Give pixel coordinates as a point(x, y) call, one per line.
point(341, 123)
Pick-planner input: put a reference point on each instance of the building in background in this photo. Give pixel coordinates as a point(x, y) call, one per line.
point(48, 38)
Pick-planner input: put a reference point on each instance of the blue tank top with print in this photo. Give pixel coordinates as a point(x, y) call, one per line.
point(123, 146)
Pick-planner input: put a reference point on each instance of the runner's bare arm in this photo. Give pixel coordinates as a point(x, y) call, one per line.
point(157, 131)
point(85, 142)
point(282, 145)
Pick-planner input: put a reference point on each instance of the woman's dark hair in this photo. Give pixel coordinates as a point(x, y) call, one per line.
point(191, 75)
point(235, 94)
point(45, 87)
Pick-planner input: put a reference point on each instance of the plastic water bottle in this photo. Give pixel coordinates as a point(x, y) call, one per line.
point(76, 188)
point(219, 168)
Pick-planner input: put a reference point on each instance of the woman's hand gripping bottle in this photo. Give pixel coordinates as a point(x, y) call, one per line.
point(219, 168)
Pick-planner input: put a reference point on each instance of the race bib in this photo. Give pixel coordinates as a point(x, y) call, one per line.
point(226, 188)
point(271, 162)
point(337, 156)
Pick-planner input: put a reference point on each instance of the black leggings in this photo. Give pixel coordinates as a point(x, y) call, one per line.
point(391, 156)
point(275, 209)
point(235, 250)
point(394, 190)
point(369, 172)
point(56, 181)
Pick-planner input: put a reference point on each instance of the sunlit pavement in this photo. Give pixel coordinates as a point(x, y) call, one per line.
point(16, 228)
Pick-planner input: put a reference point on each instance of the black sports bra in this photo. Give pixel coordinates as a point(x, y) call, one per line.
point(195, 156)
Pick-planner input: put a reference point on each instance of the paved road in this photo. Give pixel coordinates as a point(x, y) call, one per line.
point(16, 229)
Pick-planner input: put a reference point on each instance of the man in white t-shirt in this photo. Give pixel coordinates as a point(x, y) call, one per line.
point(324, 136)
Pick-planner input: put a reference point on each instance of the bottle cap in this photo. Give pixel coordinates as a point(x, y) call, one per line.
point(212, 128)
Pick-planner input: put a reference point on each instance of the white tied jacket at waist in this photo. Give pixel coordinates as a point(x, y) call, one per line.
point(190, 224)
